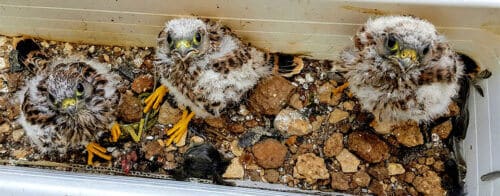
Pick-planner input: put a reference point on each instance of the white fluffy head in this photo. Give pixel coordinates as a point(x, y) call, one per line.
point(413, 32)
point(184, 38)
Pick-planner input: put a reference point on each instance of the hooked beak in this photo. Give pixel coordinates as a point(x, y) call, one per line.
point(184, 49)
point(407, 58)
point(68, 102)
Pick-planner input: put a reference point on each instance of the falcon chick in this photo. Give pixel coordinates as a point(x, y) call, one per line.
point(68, 104)
point(402, 69)
point(206, 67)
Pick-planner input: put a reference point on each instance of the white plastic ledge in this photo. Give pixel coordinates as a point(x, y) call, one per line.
point(40, 182)
point(463, 3)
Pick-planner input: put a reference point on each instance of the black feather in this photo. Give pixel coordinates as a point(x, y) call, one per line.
point(286, 65)
point(28, 54)
point(203, 161)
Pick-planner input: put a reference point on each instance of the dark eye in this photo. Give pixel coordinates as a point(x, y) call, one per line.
point(426, 50)
point(79, 89)
point(197, 38)
point(52, 99)
point(169, 39)
point(392, 43)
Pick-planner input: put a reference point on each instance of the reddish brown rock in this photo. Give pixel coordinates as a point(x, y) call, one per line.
point(295, 102)
point(269, 153)
point(429, 184)
point(236, 128)
point(130, 108)
point(368, 146)
point(409, 177)
point(271, 175)
point(361, 179)
point(408, 134)
point(453, 109)
point(270, 95)
point(333, 145)
point(379, 172)
point(378, 187)
point(216, 122)
point(340, 181)
point(143, 83)
point(443, 130)
point(152, 149)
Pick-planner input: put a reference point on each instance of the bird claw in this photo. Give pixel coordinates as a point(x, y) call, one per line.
point(94, 148)
point(179, 131)
point(341, 88)
point(115, 132)
point(154, 100)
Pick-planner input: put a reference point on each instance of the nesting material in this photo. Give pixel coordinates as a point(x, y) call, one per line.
point(305, 131)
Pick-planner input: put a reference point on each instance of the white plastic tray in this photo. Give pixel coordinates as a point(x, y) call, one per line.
point(316, 27)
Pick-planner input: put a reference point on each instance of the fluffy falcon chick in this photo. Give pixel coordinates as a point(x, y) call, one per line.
point(68, 105)
point(402, 69)
point(206, 67)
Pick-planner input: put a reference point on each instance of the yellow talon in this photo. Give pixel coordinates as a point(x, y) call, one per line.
point(154, 100)
point(94, 148)
point(179, 130)
point(341, 88)
point(115, 132)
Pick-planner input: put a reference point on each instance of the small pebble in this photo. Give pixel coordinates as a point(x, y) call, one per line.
point(269, 153)
point(333, 145)
point(196, 140)
point(91, 49)
point(3, 40)
point(408, 134)
point(310, 167)
point(292, 122)
point(234, 170)
point(348, 161)
point(337, 116)
point(395, 169)
point(67, 48)
point(236, 149)
point(3, 65)
point(368, 146)
point(340, 181)
point(45, 44)
point(17, 135)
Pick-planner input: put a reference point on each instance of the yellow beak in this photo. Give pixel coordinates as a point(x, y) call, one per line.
point(408, 53)
point(68, 102)
point(183, 44)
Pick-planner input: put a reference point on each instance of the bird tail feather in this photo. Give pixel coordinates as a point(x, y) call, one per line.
point(29, 54)
point(286, 65)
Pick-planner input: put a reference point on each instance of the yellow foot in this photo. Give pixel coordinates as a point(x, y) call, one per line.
point(154, 100)
point(179, 130)
point(115, 132)
point(341, 88)
point(94, 148)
